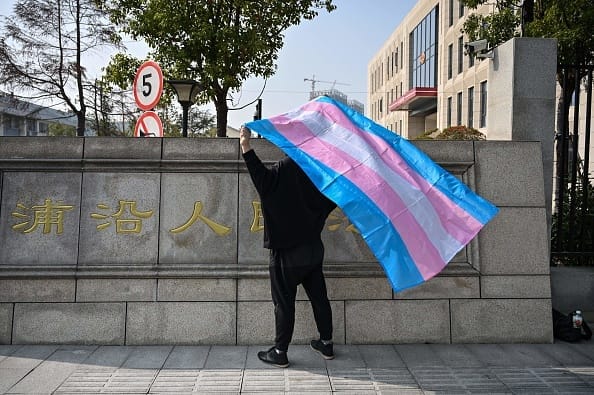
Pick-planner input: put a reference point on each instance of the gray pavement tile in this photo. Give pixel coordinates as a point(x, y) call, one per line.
point(9, 377)
point(109, 356)
point(226, 357)
point(346, 356)
point(27, 357)
point(147, 357)
point(52, 372)
point(380, 356)
point(456, 355)
point(491, 354)
point(418, 355)
point(8, 349)
point(187, 357)
point(528, 355)
point(566, 356)
point(302, 356)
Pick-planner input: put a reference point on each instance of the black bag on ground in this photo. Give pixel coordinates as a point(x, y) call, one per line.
point(563, 328)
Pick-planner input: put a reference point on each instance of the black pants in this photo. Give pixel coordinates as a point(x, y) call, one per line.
point(289, 268)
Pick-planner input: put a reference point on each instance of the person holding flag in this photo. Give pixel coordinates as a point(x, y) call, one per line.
point(294, 214)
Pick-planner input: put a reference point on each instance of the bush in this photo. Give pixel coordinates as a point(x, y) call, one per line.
point(452, 133)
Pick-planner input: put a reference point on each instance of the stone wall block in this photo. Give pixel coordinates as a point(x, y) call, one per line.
point(501, 321)
point(249, 289)
point(198, 218)
point(122, 148)
point(196, 289)
point(201, 149)
point(37, 290)
point(115, 289)
point(30, 239)
point(69, 323)
point(515, 242)
point(119, 218)
point(5, 322)
point(454, 287)
point(510, 174)
point(45, 147)
point(397, 321)
point(255, 323)
point(188, 323)
point(527, 287)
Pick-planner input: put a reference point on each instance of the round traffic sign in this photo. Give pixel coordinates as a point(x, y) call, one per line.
point(148, 125)
point(148, 85)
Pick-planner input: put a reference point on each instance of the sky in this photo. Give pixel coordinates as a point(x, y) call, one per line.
point(335, 46)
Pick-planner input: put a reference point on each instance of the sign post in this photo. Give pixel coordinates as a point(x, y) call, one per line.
point(148, 88)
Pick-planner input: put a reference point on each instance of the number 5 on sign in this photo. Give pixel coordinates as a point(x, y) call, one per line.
point(148, 85)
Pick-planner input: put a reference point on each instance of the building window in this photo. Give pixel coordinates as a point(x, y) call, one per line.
point(400, 128)
point(450, 60)
point(460, 9)
point(470, 100)
point(381, 105)
point(449, 113)
point(483, 117)
point(423, 52)
point(460, 54)
point(450, 12)
point(459, 109)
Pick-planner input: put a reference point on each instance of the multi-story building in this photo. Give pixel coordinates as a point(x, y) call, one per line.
point(339, 96)
point(21, 118)
point(421, 79)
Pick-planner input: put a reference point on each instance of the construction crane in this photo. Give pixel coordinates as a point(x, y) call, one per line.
point(313, 82)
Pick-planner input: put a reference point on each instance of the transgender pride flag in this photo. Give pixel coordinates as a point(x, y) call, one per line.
point(414, 215)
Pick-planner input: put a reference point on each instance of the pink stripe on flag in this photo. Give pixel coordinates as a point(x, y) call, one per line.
point(458, 223)
point(422, 250)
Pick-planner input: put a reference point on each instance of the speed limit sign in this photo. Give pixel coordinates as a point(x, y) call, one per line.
point(148, 85)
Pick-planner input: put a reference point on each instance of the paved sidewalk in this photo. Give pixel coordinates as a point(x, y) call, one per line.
point(365, 369)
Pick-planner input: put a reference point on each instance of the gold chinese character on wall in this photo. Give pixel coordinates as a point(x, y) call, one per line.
point(337, 219)
point(128, 219)
point(47, 215)
point(219, 229)
point(258, 220)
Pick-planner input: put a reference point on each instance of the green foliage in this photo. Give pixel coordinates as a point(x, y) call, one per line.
point(452, 133)
point(58, 129)
point(200, 123)
point(582, 226)
point(220, 43)
point(570, 22)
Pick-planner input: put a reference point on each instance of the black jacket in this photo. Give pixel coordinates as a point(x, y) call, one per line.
point(294, 210)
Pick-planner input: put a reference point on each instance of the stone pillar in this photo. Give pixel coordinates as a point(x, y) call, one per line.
point(521, 98)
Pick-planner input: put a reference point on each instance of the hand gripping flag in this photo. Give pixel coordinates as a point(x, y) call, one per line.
point(413, 215)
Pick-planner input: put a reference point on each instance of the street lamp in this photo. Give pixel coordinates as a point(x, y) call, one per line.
point(186, 91)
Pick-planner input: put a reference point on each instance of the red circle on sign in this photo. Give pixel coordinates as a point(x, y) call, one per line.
point(148, 125)
point(148, 85)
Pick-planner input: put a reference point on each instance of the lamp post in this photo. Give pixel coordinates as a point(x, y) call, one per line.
point(186, 91)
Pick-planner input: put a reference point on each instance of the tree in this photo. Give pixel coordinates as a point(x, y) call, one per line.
point(42, 48)
point(200, 122)
point(569, 22)
point(220, 43)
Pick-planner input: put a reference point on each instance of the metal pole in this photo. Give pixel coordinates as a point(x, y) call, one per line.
point(185, 120)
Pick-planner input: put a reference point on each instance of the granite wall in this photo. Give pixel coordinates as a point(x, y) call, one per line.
point(159, 241)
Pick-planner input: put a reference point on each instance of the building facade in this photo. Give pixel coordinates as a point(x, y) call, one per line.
point(22, 118)
point(421, 79)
